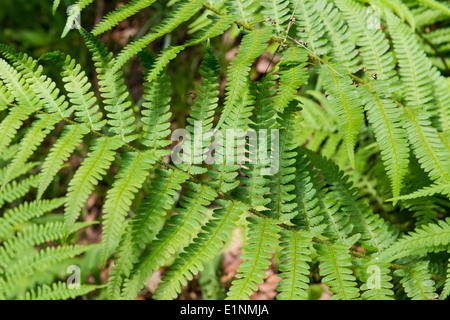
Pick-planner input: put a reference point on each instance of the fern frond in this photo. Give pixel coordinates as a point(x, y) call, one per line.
point(385, 119)
point(201, 117)
point(71, 138)
point(24, 169)
point(58, 291)
point(307, 191)
point(144, 225)
point(39, 261)
point(217, 27)
point(417, 281)
point(34, 137)
point(202, 249)
point(261, 243)
point(307, 17)
point(13, 218)
point(183, 12)
point(376, 233)
point(252, 46)
point(244, 10)
point(120, 115)
point(278, 11)
point(16, 190)
point(427, 145)
point(40, 84)
point(295, 259)
point(156, 114)
point(175, 234)
point(5, 97)
point(437, 188)
point(254, 185)
point(446, 291)
point(427, 238)
point(344, 50)
point(293, 74)
point(414, 67)
point(92, 169)
point(30, 237)
point(374, 46)
point(335, 271)
point(133, 171)
point(282, 205)
point(445, 9)
point(377, 282)
point(346, 102)
point(78, 87)
point(441, 92)
point(27, 100)
point(73, 14)
point(113, 18)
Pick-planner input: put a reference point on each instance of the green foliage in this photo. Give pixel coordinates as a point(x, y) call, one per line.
point(357, 123)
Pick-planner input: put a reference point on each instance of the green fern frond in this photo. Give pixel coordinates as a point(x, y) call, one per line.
point(282, 205)
point(427, 145)
point(417, 281)
point(113, 18)
point(377, 282)
point(346, 102)
point(5, 97)
point(427, 238)
point(202, 249)
point(293, 74)
point(243, 10)
point(13, 218)
point(201, 117)
point(217, 27)
point(344, 50)
point(40, 84)
point(414, 67)
point(261, 243)
point(254, 185)
point(78, 88)
point(156, 114)
point(295, 258)
point(31, 236)
point(374, 46)
point(385, 119)
point(335, 263)
point(252, 46)
point(134, 169)
point(445, 9)
point(39, 261)
point(307, 191)
point(73, 14)
point(376, 233)
point(16, 190)
point(446, 290)
point(58, 291)
point(183, 12)
point(175, 234)
point(278, 11)
point(144, 225)
point(34, 137)
point(312, 29)
point(92, 169)
point(120, 115)
point(70, 138)
point(437, 188)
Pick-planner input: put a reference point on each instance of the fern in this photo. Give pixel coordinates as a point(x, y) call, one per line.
point(262, 240)
point(335, 262)
point(350, 187)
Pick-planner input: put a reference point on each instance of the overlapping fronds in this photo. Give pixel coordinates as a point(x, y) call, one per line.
point(312, 135)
